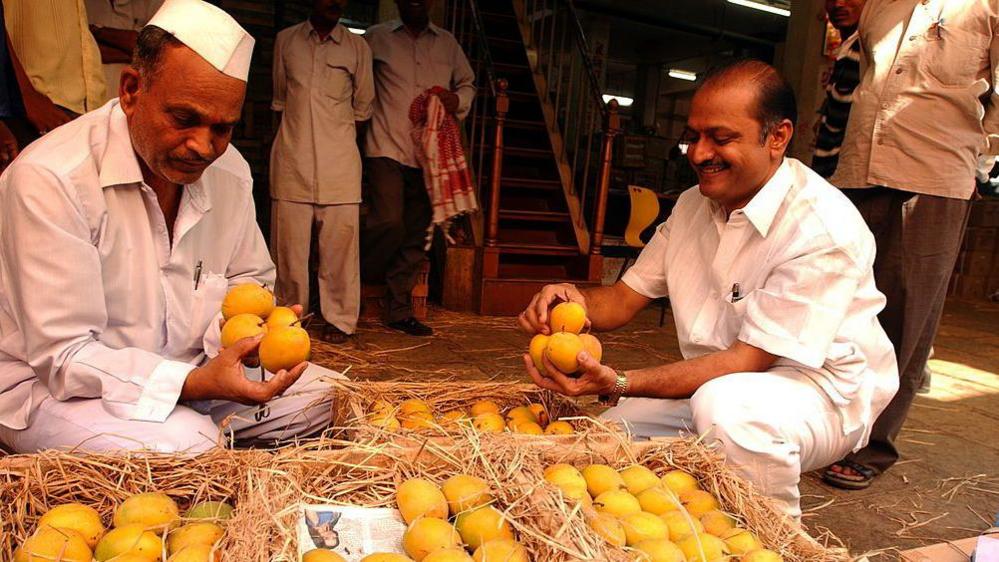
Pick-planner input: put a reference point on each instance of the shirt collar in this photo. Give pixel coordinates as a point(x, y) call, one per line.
point(396, 25)
point(119, 163)
point(763, 207)
point(336, 35)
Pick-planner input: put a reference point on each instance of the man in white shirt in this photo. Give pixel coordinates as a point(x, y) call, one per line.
point(411, 56)
point(322, 86)
point(927, 106)
point(115, 25)
point(120, 234)
point(768, 269)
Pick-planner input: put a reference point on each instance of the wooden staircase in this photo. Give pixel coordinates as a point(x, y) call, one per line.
point(539, 227)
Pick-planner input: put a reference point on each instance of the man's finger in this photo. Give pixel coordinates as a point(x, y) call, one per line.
point(569, 384)
point(245, 346)
point(537, 377)
point(297, 309)
point(283, 379)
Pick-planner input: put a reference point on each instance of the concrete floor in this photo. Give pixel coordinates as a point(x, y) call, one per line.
point(945, 487)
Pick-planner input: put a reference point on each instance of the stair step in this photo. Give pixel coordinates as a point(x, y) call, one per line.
point(496, 39)
point(497, 15)
point(531, 183)
point(502, 67)
point(523, 151)
point(537, 216)
point(520, 123)
point(513, 94)
point(538, 249)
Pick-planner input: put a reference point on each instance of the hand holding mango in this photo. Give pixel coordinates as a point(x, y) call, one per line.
point(249, 312)
point(563, 346)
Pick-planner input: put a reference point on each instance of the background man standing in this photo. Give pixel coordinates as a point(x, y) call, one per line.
point(322, 86)
point(844, 15)
point(115, 25)
point(924, 111)
point(411, 56)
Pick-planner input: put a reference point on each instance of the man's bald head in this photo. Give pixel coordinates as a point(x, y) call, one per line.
point(775, 100)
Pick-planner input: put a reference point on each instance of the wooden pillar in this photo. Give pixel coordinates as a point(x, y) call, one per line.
point(495, 180)
point(611, 130)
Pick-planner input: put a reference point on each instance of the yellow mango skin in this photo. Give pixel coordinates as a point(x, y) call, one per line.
point(567, 317)
point(322, 555)
point(49, 543)
point(418, 497)
point(153, 510)
point(78, 517)
point(284, 349)
point(563, 352)
point(248, 298)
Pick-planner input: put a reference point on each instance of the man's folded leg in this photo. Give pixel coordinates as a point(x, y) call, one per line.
point(651, 417)
point(84, 425)
point(302, 411)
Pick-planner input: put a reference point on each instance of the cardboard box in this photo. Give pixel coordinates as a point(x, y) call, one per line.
point(955, 551)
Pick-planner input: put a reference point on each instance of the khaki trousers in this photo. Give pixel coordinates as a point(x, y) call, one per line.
point(339, 265)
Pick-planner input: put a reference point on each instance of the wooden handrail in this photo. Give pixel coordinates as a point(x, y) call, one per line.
point(611, 130)
point(502, 107)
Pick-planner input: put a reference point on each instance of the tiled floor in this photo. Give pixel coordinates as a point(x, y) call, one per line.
point(945, 487)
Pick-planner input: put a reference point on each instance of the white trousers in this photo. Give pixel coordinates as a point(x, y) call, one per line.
point(339, 258)
point(84, 424)
point(771, 427)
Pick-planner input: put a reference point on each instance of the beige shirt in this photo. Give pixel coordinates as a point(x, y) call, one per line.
point(95, 302)
point(321, 89)
point(790, 273)
point(926, 104)
point(53, 42)
point(119, 14)
point(405, 67)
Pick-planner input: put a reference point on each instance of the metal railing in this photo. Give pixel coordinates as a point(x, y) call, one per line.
point(464, 20)
point(581, 124)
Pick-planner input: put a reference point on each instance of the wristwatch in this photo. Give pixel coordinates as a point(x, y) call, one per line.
point(619, 390)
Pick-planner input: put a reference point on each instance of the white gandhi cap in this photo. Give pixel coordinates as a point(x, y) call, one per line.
point(210, 32)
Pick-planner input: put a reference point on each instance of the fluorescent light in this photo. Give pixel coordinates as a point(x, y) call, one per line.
point(356, 30)
point(763, 7)
point(682, 74)
point(623, 101)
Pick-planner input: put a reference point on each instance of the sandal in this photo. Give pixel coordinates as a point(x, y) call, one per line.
point(332, 334)
point(859, 481)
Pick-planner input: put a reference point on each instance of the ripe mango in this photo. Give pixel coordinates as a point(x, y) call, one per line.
point(284, 348)
point(248, 298)
point(567, 317)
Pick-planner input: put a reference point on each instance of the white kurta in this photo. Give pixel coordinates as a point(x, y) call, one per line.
point(790, 273)
point(94, 300)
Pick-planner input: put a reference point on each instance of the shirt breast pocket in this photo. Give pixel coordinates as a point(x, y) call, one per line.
point(952, 56)
point(338, 82)
point(205, 305)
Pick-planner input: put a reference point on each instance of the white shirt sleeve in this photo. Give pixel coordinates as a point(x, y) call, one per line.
point(799, 309)
point(53, 274)
point(364, 83)
point(462, 79)
point(648, 276)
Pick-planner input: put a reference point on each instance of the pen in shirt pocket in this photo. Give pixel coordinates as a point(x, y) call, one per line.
point(736, 293)
point(197, 275)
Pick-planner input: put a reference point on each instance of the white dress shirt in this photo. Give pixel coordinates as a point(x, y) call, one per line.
point(94, 300)
point(926, 106)
point(405, 67)
point(790, 273)
point(321, 88)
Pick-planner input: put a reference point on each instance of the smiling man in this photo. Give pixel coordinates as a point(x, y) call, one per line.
point(769, 272)
point(120, 234)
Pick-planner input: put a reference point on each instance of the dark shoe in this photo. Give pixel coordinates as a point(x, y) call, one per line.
point(860, 478)
point(332, 334)
point(411, 326)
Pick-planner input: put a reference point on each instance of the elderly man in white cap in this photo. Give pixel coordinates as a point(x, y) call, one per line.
point(120, 234)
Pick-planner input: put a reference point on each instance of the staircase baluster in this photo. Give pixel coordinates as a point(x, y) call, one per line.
point(502, 107)
point(611, 130)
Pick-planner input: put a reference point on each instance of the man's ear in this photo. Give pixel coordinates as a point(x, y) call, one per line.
point(129, 89)
point(780, 136)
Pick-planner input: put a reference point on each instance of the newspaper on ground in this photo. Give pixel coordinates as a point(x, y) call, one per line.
point(351, 532)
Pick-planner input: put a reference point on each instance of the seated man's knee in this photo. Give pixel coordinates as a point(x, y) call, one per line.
point(185, 431)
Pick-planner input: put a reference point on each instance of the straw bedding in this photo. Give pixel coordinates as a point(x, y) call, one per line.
point(266, 488)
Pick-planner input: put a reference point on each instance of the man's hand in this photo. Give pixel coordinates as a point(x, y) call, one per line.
point(223, 378)
point(8, 146)
point(594, 378)
point(534, 320)
point(451, 101)
point(43, 114)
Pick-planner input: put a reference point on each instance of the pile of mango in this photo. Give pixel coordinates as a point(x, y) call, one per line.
point(485, 416)
point(249, 311)
point(665, 519)
point(145, 528)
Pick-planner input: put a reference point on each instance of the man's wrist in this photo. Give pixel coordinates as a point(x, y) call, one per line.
point(619, 389)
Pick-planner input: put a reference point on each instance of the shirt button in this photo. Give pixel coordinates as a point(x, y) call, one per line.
point(912, 37)
point(884, 106)
point(898, 71)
